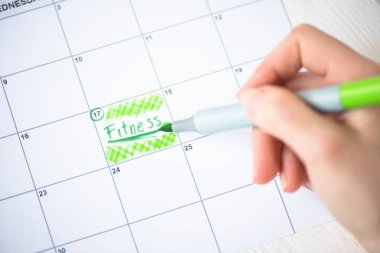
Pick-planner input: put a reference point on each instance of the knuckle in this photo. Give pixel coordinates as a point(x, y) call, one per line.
point(330, 145)
point(270, 108)
point(278, 105)
point(302, 29)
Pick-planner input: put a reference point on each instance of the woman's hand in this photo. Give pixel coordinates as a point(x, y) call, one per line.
point(338, 156)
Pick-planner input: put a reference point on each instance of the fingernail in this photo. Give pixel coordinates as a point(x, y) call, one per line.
point(284, 182)
point(308, 185)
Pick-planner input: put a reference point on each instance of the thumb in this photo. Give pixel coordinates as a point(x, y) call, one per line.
point(283, 115)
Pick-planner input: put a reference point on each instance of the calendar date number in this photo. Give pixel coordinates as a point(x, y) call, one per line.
point(25, 136)
point(188, 147)
point(42, 193)
point(115, 170)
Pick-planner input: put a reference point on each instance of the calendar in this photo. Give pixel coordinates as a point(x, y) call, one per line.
point(84, 87)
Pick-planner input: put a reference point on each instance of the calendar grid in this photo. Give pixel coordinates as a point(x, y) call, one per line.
point(84, 238)
point(230, 63)
point(132, 97)
point(222, 42)
point(132, 37)
point(286, 209)
point(97, 133)
point(27, 164)
point(103, 168)
point(171, 116)
point(161, 88)
point(150, 217)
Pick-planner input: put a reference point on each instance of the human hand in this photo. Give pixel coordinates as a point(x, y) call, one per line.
point(338, 156)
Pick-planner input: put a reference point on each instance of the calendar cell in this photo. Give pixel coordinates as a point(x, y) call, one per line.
point(155, 183)
point(23, 228)
point(117, 240)
point(305, 209)
point(116, 73)
point(131, 128)
point(14, 173)
point(88, 204)
point(63, 150)
point(216, 172)
point(90, 24)
point(41, 95)
point(219, 5)
point(250, 33)
point(40, 41)
point(153, 15)
point(255, 214)
point(7, 125)
point(186, 51)
point(160, 234)
point(187, 98)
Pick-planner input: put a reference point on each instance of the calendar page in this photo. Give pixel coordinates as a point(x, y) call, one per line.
point(85, 86)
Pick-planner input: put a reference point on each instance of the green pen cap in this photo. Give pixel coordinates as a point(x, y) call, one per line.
point(360, 93)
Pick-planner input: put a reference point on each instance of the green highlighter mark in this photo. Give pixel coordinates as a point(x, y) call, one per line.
point(135, 127)
point(135, 107)
point(117, 153)
point(164, 128)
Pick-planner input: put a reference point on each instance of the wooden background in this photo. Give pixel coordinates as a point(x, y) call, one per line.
point(357, 23)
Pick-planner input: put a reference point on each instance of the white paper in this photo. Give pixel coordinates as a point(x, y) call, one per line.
point(79, 77)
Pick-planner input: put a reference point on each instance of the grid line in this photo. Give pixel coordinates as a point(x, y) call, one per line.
point(172, 119)
point(222, 42)
point(151, 217)
point(129, 38)
point(17, 195)
point(282, 199)
point(8, 135)
point(97, 133)
point(103, 168)
point(27, 164)
point(283, 204)
point(132, 97)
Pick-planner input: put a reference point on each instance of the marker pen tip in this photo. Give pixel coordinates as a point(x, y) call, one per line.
point(166, 127)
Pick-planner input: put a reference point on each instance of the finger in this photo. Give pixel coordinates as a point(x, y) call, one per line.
point(305, 80)
point(267, 156)
point(307, 183)
point(292, 171)
point(280, 113)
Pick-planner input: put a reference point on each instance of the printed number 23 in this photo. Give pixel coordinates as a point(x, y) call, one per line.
point(42, 193)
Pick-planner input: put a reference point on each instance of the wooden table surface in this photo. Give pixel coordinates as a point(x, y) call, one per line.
point(357, 23)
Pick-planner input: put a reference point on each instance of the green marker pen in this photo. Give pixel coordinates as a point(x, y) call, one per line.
point(336, 98)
